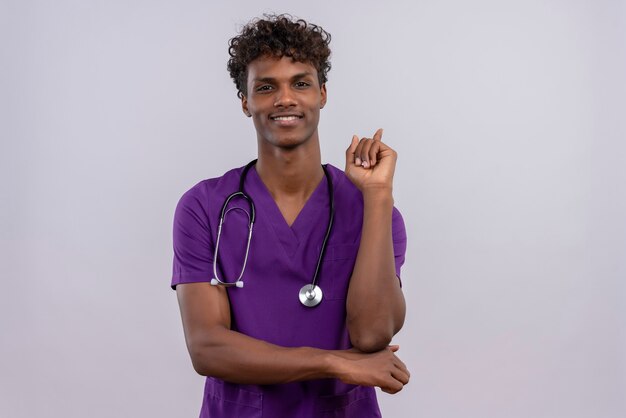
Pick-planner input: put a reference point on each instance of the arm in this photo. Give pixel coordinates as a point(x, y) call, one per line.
point(218, 351)
point(375, 304)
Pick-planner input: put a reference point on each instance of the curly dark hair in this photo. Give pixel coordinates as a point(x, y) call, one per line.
point(278, 36)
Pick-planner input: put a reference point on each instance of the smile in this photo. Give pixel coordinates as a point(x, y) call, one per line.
point(288, 117)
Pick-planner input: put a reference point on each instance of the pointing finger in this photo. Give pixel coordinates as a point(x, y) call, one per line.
point(378, 135)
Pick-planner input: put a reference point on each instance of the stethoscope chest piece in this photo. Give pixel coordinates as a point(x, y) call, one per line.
point(310, 295)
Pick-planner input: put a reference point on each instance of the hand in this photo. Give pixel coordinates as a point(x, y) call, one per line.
point(383, 369)
point(370, 163)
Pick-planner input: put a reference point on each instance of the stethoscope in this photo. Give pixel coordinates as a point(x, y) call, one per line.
point(310, 295)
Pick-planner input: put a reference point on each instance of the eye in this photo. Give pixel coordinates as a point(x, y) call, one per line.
point(264, 88)
point(302, 84)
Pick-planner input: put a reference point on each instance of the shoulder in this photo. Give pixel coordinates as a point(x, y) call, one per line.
point(209, 189)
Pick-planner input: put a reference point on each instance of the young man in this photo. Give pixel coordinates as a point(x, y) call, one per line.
point(308, 335)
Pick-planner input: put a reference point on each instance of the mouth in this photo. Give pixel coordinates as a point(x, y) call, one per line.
point(289, 117)
point(285, 117)
point(286, 120)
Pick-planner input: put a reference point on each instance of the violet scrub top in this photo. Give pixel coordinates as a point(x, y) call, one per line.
point(282, 259)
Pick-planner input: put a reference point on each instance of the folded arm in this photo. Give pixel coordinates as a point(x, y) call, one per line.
point(220, 352)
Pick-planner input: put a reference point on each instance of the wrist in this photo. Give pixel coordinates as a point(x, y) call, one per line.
point(378, 194)
point(334, 361)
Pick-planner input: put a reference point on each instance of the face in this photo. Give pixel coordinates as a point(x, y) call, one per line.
point(284, 100)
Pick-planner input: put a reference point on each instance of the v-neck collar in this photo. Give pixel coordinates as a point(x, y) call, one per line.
point(289, 236)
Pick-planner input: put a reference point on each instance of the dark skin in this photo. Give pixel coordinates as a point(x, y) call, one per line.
point(284, 99)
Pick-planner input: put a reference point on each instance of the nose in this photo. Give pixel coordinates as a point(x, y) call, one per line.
point(285, 98)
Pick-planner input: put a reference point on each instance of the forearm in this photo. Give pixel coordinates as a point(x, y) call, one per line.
point(375, 304)
point(237, 358)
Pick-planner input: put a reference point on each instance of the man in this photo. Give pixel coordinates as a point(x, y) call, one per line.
point(308, 335)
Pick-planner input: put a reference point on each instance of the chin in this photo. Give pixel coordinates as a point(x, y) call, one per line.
point(289, 142)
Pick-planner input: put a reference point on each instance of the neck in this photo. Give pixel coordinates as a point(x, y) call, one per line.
point(291, 173)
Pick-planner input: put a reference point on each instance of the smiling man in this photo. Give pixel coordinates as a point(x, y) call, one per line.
point(308, 334)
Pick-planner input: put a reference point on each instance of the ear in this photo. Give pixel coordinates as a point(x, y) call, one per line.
point(244, 106)
point(324, 96)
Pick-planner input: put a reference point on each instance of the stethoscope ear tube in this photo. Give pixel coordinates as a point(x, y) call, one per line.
point(251, 216)
point(216, 282)
point(243, 193)
point(216, 279)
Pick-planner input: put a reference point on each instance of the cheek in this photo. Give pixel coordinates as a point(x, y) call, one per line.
point(315, 114)
point(258, 121)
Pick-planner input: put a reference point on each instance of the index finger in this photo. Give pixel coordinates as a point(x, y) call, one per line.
point(378, 135)
point(353, 144)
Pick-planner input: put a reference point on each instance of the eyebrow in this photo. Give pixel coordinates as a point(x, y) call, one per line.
point(294, 77)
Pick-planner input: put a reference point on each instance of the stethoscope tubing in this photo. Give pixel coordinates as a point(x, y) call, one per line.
point(331, 216)
point(251, 218)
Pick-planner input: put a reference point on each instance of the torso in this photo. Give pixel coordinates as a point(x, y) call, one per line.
point(283, 254)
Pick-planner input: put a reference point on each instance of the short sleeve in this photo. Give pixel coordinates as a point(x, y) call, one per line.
point(192, 238)
point(399, 239)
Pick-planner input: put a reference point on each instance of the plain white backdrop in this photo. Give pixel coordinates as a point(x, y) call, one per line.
point(508, 117)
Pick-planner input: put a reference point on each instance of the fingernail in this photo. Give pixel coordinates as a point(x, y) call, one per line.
point(365, 164)
point(357, 161)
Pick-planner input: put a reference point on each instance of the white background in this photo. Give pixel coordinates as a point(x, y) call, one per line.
point(508, 117)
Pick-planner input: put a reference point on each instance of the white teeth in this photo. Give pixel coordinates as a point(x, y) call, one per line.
point(286, 117)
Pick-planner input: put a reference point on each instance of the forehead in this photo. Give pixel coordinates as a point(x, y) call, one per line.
point(278, 68)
